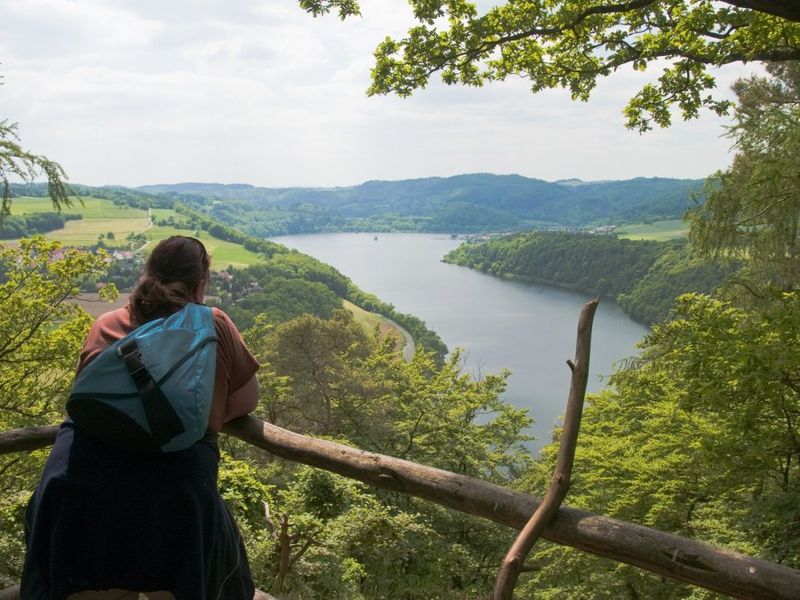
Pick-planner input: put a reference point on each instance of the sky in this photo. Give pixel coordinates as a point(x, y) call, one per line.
point(136, 92)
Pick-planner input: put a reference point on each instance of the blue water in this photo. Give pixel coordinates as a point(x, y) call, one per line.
point(529, 329)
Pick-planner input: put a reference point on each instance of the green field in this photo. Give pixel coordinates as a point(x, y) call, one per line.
point(163, 213)
point(659, 231)
point(223, 254)
point(93, 208)
point(102, 216)
point(369, 321)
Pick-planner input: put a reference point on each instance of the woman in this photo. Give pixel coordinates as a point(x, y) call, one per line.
point(107, 523)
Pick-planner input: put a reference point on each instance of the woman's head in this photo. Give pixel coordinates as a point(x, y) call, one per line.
point(175, 274)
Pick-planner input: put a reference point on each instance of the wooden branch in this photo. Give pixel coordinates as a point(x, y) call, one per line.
point(514, 561)
point(786, 9)
point(666, 554)
point(27, 438)
point(12, 593)
point(700, 564)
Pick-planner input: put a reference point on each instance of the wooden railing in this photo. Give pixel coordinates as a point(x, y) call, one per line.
point(694, 562)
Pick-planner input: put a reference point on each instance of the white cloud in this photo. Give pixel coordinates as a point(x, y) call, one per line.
point(145, 91)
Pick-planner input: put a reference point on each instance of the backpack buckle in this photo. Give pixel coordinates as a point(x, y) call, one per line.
point(129, 352)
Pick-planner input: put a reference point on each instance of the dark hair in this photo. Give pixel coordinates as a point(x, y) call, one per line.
point(172, 272)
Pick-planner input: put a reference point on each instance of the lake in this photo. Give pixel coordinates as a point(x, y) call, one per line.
point(529, 329)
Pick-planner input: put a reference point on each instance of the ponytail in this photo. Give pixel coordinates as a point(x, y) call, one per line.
point(171, 275)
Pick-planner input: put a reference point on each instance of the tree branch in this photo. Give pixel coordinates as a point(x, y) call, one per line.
point(786, 9)
point(514, 561)
point(666, 554)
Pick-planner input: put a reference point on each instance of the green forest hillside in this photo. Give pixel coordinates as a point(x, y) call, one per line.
point(463, 203)
point(644, 277)
point(260, 277)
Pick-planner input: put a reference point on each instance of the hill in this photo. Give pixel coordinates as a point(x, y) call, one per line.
point(463, 203)
point(250, 276)
point(643, 276)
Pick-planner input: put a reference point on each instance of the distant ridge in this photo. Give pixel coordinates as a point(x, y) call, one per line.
point(468, 202)
point(473, 202)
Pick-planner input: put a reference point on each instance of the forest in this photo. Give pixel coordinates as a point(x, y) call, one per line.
point(478, 202)
point(27, 225)
point(463, 203)
point(644, 277)
point(699, 436)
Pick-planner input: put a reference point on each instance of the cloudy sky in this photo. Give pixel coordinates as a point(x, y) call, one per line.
point(135, 92)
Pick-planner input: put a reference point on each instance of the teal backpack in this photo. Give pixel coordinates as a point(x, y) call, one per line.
point(151, 391)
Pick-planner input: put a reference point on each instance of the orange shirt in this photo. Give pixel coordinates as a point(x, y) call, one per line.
point(235, 364)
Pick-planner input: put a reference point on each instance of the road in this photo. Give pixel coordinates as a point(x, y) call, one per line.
point(410, 347)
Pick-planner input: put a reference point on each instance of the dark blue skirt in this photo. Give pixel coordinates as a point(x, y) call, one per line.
point(106, 518)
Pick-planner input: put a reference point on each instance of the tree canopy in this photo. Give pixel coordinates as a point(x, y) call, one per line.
point(753, 208)
point(572, 43)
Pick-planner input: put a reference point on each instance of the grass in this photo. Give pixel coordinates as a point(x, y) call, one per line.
point(222, 253)
point(93, 208)
point(85, 231)
point(660, 231)
point(163, 213)
point(369, 321)
point(102, 216)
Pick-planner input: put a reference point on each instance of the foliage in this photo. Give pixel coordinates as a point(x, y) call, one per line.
point(40, 329)
point(699, 438)
point(571, 43)
point(597, 264)
point(283, 299)
point(645, 277)
point(677, 270)
point(423, 337)
point(18, 163)
point(753, 208)
point(463, 203)
point(41, 333)
point(327, 377)
point(14, 226)
point(285, 285)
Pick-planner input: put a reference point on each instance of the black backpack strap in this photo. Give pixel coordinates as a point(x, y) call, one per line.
point(162, 419)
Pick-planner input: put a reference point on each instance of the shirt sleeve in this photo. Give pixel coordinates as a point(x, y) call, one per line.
point(235, 366)
point(106, 329)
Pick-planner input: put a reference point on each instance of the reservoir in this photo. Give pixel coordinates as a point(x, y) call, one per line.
point(528, 329)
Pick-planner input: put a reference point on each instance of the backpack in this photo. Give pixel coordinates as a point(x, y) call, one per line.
point(151, 391)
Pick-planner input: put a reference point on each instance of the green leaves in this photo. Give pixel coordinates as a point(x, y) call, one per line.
point(41, 333)
point(328, 378)
point(16, 162)
point(753, 208)
point(571, 43)
point(345, 8)
point(40, 330)
point(699, 438)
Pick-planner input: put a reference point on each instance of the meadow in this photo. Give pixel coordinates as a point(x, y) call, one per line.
point(659, 231)
point(101, 217)
point(369, 321)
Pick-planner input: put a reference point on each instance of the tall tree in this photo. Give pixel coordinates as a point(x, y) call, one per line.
point(572, 43)
point(753, 208)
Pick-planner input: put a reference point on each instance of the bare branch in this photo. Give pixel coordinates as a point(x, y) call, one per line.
point(514, 561)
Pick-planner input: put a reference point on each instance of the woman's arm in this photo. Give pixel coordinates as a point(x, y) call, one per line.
point(242, 401)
